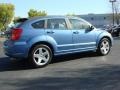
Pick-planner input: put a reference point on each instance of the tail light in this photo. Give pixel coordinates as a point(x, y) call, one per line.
point(16, 34)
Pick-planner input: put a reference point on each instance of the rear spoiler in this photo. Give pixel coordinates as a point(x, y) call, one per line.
point(21, 19)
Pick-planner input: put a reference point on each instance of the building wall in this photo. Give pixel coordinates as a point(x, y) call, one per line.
point(98, 20)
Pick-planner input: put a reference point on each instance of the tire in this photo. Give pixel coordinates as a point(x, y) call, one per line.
point(40, 56)
point(104, 47)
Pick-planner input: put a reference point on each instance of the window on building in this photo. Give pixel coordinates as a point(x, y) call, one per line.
point(104, 18)
point(92, 18)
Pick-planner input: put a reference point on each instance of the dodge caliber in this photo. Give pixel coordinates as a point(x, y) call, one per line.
point(41, 38)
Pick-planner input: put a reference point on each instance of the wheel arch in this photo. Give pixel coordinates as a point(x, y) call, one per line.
point(44, 43)
point(104, 37)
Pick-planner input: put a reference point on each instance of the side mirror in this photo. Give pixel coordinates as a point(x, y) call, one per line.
point(90, 28)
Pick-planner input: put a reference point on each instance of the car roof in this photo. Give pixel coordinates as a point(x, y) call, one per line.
point(34, 19)
point(29, 21)
point(48, 17)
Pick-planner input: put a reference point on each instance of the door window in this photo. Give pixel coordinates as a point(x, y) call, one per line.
point(56, 24)
point(78, 24)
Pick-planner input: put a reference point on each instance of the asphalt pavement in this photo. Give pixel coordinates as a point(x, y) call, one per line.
point(81, 71)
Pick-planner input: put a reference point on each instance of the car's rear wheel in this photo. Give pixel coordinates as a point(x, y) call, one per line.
point(40, 56)
point(104, 46)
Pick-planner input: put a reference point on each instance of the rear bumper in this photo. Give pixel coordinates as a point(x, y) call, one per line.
point(15, 49)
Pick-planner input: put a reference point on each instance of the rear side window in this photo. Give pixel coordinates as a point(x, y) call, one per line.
point(39, 24)
point(56, 24)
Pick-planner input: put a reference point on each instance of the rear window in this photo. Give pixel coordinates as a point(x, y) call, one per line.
point(18, 23)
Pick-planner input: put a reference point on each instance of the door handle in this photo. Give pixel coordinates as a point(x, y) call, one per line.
point(50, 32)
point(76, 32)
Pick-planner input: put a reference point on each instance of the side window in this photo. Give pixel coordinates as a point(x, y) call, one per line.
point(56, 24)
point(78, 24)
point(38, 24)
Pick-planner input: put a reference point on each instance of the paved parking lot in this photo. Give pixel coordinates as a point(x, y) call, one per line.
point(82, 71)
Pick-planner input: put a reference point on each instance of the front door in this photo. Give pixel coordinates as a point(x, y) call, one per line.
point(83, 39)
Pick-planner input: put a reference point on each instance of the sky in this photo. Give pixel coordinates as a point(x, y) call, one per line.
point(60, 7)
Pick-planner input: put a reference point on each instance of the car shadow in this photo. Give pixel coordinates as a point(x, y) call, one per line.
point(6, 64)
point(69, 57)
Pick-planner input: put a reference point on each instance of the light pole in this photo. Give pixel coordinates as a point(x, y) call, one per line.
point(112, 1)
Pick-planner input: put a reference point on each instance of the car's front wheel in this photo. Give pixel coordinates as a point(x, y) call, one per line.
point(104, 46)
point(40, 56)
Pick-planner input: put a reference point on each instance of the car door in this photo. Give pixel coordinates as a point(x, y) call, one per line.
point(57, 31)
point(83, 38)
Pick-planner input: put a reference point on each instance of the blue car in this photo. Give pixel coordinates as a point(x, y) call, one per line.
point(41, 38)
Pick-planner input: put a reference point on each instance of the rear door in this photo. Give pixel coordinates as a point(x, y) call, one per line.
point(57, 30)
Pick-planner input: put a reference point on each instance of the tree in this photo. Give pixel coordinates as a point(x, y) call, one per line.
point(6, 15)
point(70, 14)
point(34, 13)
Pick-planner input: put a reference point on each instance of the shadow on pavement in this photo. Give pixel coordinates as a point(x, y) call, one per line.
point(13, 65)
point(98, 78)
point(75, 56)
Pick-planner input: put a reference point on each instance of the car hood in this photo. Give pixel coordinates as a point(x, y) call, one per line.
point(101, 30)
